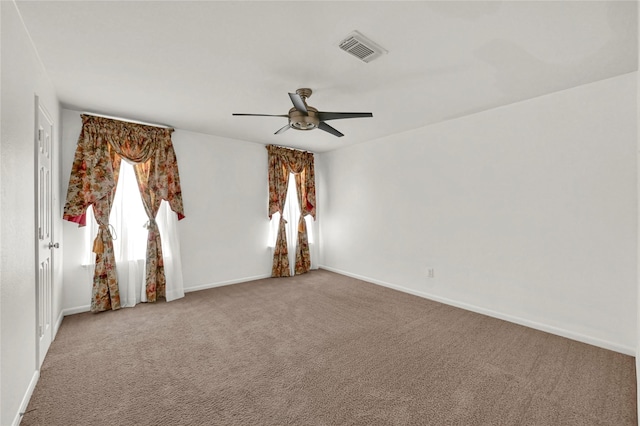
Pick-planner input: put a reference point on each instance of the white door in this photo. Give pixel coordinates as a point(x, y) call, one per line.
point(44, 221)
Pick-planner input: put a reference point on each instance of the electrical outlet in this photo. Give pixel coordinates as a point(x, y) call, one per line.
point(431, 272)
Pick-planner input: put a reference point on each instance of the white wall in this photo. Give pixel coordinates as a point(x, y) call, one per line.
point(638, 238)
point(527, 212)
point(225, 193)
point(22, 78)
point(77, 280)
point(224, 235)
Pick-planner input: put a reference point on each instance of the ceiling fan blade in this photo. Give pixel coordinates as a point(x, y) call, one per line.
point(298, 103)
point(262, 115)
point(324, 116)
point(283, 129)
point(324, 126)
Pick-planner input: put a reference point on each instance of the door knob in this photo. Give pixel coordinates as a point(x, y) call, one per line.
point(52, 245)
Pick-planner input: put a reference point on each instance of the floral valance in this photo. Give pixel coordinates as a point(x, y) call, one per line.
point(94, 173)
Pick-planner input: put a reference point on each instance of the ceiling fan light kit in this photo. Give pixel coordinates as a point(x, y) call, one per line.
point(299, 121)
point(305, 117)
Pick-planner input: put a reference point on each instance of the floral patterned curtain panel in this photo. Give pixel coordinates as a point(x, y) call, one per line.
point(93, 180)
point(283, 161)
point(303, 259)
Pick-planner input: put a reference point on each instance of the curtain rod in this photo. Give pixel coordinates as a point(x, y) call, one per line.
point(288, 147)
point(128, 120)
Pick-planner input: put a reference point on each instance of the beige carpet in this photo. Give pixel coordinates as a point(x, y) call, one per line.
point(322, 349)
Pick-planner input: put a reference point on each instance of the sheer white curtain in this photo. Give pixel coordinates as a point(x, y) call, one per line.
point(127, 222)
point(292, 215)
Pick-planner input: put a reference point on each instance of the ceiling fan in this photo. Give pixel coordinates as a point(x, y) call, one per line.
point(305, 117)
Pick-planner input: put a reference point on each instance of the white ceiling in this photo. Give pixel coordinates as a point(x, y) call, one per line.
point(192, 64)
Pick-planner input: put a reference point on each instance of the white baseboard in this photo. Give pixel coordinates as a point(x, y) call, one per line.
point(25, 400)
point(57, 325)
point(638, 387)
point(223, 283)
point(87, 308)
point(517, 320)
point(76, 310)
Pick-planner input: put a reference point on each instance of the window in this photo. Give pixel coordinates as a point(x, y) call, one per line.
point(127, 220)
point(291, 215)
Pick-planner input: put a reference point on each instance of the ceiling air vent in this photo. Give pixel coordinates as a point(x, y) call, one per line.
point(361, 47)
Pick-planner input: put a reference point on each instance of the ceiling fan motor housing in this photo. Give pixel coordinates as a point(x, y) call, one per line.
point(299, 121)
